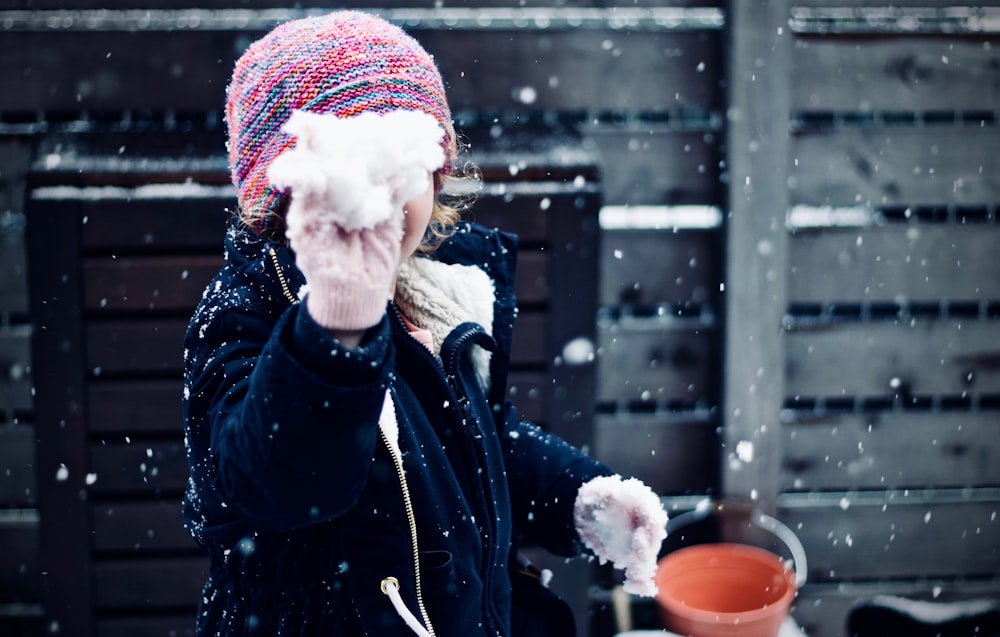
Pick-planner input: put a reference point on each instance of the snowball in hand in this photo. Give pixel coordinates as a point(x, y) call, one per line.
point(622, 521)
point(360, 169)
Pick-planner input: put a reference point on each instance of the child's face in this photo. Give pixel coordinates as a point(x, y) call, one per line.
point(416, 217)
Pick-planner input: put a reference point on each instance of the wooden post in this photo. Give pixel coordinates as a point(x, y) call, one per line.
point(571, 326)
point(758, 50)
point(55, 289)
point(573, 274)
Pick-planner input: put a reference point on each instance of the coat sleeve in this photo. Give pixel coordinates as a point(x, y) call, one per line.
point(544, 473)
point(281, 418)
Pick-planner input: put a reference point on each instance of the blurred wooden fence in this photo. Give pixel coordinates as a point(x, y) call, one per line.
point(776, 223)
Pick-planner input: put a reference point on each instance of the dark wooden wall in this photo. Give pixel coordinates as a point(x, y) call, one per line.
point(870, 238)
point(795, 251)
point(889, 449)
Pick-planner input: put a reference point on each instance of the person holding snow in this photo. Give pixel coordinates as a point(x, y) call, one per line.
point(355, 468)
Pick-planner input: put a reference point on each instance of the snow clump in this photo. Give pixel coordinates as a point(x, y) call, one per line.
point(362, 168)
point(623, 521)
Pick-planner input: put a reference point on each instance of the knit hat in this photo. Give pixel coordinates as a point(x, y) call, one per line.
point(343, 63)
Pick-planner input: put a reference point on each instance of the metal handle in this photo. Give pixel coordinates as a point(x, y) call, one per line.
point(701, 511)
point(788, 537)
point(706, 507)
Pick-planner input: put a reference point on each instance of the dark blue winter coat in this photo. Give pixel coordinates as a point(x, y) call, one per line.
point(298, 499)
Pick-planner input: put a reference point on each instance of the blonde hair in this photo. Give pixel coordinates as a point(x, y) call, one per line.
point(449, 204)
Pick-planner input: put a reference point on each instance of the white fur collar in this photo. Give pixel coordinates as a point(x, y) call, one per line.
point(438, 297)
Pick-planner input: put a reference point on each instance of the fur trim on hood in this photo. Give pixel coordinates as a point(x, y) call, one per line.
point(438, 297)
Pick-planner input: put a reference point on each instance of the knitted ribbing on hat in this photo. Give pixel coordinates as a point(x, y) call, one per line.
point(342, 63)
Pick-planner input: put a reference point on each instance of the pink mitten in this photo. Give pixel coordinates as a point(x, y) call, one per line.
point(622, 521)
point(350, 179)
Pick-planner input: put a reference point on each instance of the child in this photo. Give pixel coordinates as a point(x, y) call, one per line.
point(355, 469)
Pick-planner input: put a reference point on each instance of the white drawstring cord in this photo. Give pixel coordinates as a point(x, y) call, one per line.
point(390, 586)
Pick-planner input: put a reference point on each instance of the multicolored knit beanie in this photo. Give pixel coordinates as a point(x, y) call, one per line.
point(343, 63)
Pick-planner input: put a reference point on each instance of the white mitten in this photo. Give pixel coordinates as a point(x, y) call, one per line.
point(622, 521)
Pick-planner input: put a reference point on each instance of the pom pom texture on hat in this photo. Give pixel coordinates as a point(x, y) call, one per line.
point(343, 63)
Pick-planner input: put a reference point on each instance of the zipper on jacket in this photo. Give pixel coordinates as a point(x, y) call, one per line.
point(451, 371)
point(448, 367)
point(397, 460)
point(281, 277)
point(411, 519)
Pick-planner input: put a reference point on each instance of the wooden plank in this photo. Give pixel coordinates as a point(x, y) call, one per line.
point(505, 151)
point(673, 454)
point(156, 225)
point(15, 369)
point(163, 161)
point(140, 527)
point(531, 278)
point(149, 584)
point(653, 360)
point(169, 153)
point(570, 330)
point(20, 573)
point(570, 340)
point(551, 69)
point(20, 620)
point(13, 257)
point(651, 164)
point(153, 408)
point(162, 283)
point(896, 262)
point(759, 50)
point(55, 289)
point(118, 222)
point(170, 283)
point(130, 407)
point(944, 72)
point(892, 450)
point(115, 70)
point(154, 346)
point(866, 4)
point(143, 468)
point(135, 346)
point(15, 160)
point(865, 535)
point(895, 165)
point(17, 466)
point(954, 358)
point(524, 215)
point(175, 283)
point(821, 610)
point(601, 69)
point(143, 625)
point(686, 268)
point(93, 177)
point(322, 4)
